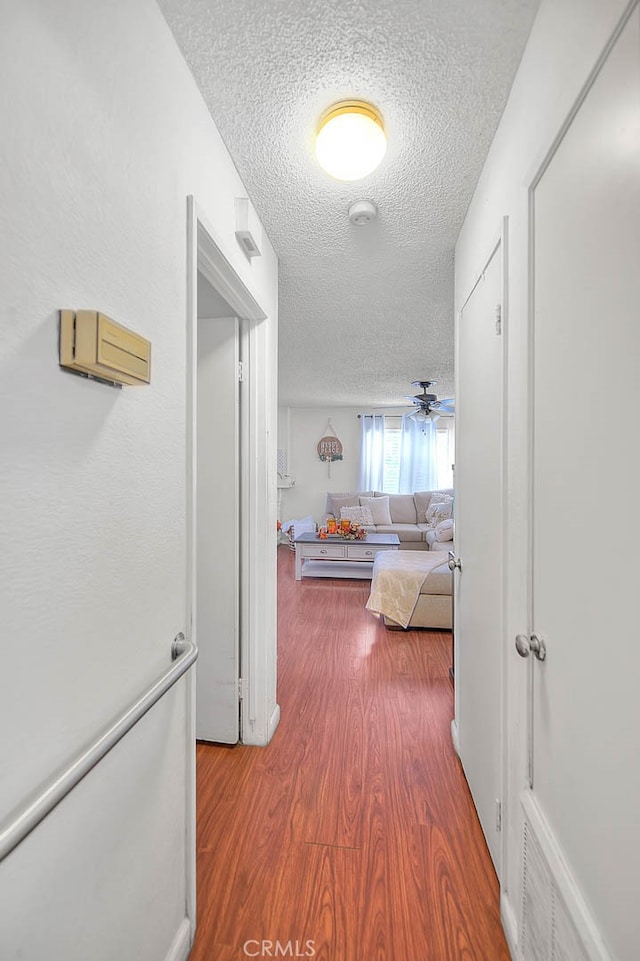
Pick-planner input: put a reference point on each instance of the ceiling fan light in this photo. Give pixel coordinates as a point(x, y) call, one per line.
point(350, 142)
point(419, 415)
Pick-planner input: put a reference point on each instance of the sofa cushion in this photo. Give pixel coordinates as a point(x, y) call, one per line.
point(402, 509)
point(379, 507)
point(406, 532)
point(336, 501)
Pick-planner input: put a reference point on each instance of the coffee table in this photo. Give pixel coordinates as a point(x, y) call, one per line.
point(336, 557)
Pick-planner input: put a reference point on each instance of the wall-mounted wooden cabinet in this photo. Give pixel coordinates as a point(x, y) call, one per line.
point(93, 344)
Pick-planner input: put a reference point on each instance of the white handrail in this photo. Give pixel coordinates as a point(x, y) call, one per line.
point(23, 819)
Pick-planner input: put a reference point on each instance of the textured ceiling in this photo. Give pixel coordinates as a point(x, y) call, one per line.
point(363, 310)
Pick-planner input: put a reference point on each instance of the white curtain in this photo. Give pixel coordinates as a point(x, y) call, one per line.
point(371, 452)
point(418, 456)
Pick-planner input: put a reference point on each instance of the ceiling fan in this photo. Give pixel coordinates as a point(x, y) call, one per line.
point(427, 404)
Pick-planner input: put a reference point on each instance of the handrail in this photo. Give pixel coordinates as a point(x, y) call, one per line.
point(23, 819)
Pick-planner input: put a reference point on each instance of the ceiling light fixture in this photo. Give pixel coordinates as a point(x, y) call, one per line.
point(419, 415)
point(351, 141)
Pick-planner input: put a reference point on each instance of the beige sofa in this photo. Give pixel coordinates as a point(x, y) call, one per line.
point(407, 515)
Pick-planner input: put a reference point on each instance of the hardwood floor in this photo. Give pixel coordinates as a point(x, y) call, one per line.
point(353, 834)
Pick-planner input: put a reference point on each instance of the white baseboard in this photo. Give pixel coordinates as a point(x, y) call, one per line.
point(182, 943)
point(454, 736)
point(509, 926)
point(255, 740)
point(274, 720)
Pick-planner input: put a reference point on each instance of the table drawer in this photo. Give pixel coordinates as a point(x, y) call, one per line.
point(362, 552)
point(323, 552)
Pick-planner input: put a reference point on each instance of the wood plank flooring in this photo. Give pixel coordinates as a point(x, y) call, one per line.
point(354, 830)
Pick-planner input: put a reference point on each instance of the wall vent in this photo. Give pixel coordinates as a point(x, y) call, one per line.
point(248, 228)
point(555, 923)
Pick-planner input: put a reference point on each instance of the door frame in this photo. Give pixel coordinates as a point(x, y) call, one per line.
point(205, 255)
point(498, 246)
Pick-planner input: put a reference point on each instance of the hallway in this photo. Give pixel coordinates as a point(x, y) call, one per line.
point(352, 836)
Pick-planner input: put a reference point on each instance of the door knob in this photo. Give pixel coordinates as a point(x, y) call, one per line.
point(454, 562)
point(531, 645)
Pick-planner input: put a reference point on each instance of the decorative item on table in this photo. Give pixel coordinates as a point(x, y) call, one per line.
point(351, 531)
point(323, 533)
point(332, 525)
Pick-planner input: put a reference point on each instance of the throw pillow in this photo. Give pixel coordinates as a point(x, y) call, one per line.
point(444, 530)
point(357, 515)
point(439, 512)
point(379, 507)
point(437, 501)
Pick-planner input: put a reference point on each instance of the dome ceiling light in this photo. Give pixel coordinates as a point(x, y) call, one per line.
point(351, 141)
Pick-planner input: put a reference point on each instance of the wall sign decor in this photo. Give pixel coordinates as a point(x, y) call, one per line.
point(93, 345)
point(329, 447)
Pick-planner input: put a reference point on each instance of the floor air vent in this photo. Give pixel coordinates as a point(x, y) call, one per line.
point(555, 922)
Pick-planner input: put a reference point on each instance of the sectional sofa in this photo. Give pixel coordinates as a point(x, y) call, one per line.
point(401, 514)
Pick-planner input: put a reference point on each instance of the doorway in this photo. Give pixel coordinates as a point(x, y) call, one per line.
point(230, 485)
point(218, 485)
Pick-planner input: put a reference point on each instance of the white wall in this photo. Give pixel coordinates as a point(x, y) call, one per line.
point(567, 38)
point(299, 430)
point(103, 137)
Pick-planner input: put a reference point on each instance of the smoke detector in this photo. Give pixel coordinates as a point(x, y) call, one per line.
point(362, 212)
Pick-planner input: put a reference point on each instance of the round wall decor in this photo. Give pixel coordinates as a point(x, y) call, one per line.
point(329, 448)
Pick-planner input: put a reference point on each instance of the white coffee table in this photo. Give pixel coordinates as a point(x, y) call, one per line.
point(336, 557)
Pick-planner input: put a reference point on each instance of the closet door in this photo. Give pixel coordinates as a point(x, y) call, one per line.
point(218, 531)
point(585, 466)
point(478, 601)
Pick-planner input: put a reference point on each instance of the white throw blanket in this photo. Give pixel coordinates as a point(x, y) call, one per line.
point(397, 580)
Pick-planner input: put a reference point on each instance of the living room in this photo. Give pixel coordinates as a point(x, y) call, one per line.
point(305, 479)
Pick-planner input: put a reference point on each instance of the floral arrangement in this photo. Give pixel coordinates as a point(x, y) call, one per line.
point(354, 532)
point(348, 530)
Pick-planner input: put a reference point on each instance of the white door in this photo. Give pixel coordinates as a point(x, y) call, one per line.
point(479, 544)
point(217, 530)
point(585, 506)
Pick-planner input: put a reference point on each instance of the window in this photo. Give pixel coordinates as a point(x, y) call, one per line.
point(391, 455)
point(400, 455)
point(444, 451)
